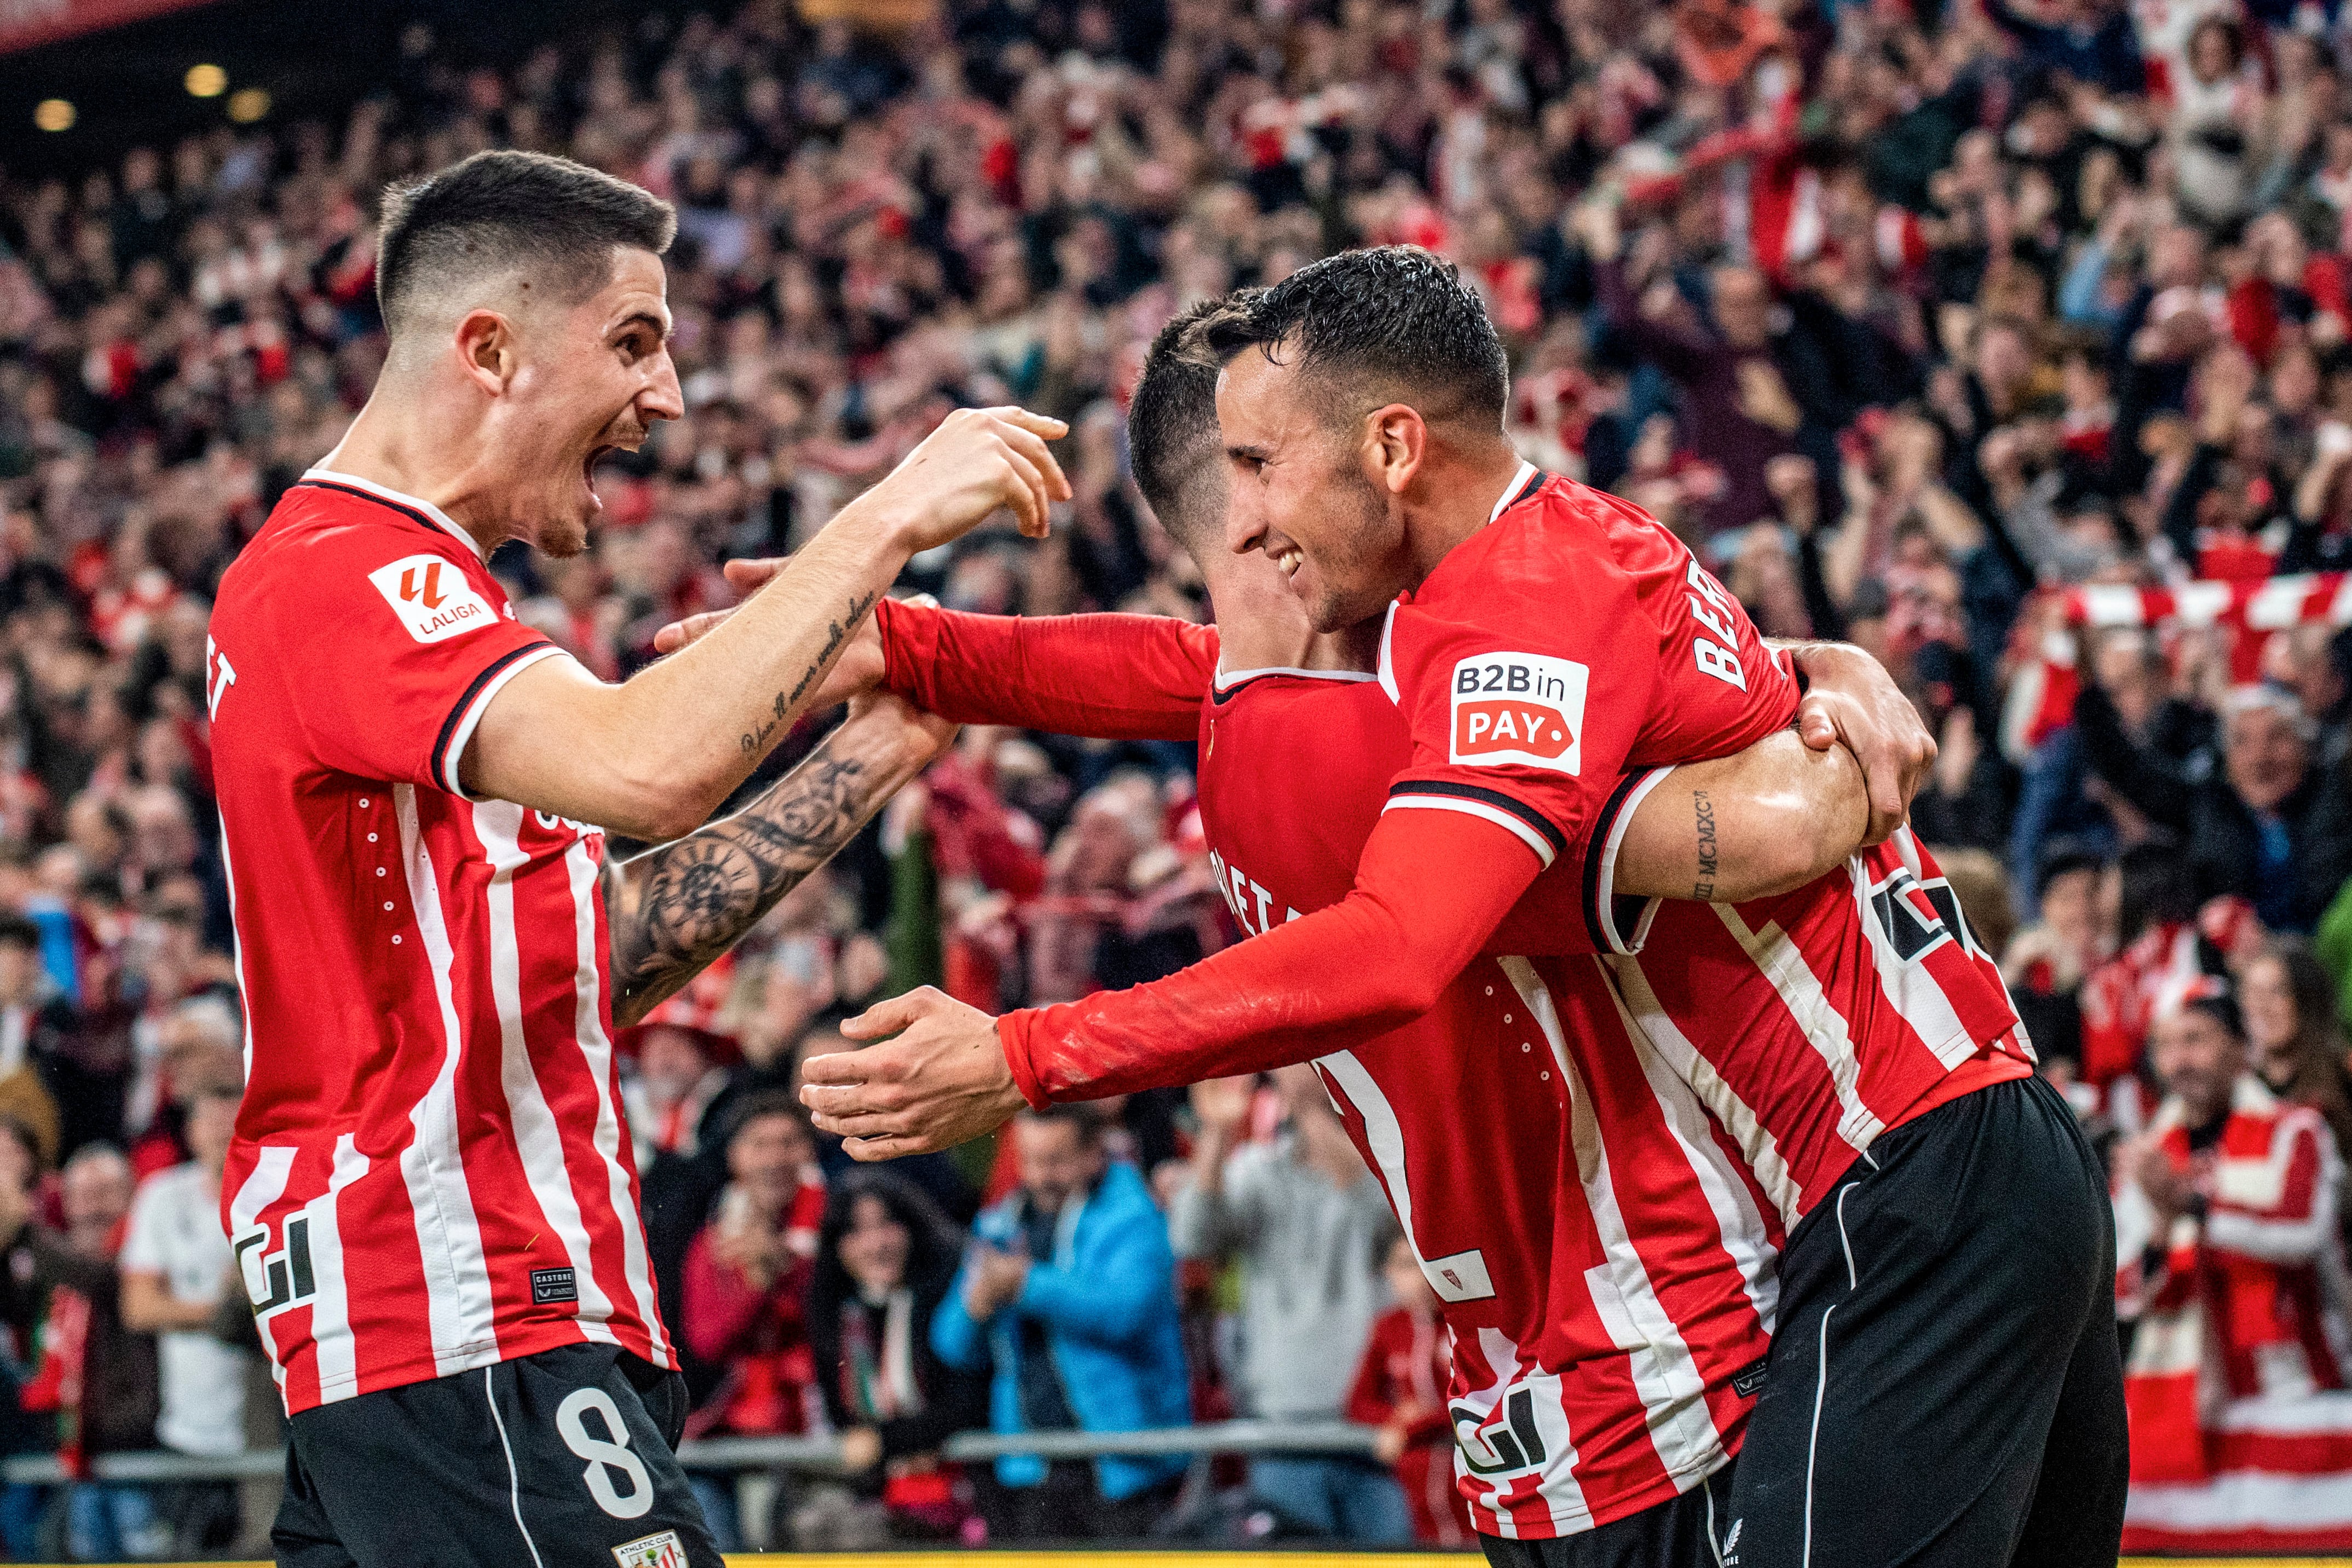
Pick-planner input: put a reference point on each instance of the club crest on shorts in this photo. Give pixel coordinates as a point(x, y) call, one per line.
point(1524, 708)
point(662, 1551)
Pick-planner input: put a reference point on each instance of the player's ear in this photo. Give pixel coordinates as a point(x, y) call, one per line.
point(1396, 440)
point(488, 351)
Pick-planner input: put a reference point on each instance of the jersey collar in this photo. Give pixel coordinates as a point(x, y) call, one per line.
point(1523, 485)
point(424, 510)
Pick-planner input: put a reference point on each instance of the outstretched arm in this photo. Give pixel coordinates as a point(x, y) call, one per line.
point(671, 911)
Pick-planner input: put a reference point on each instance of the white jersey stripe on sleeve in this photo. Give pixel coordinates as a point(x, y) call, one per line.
point(1604, 886)
point(1689, 1064)
point(1476, 808)
point(539, 1141)
point(1769, 949)
point(1737, 1219)
point(1666, 1374)
point(448, 1239)
point(596, 1051)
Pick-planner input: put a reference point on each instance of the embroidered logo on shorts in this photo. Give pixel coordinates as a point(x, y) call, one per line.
point(663, 1551)
point(553, 1285)
point(1749, 1378)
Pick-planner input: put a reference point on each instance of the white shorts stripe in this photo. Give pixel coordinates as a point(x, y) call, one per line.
point(539, 1141)
point(448, 1239)
point(1800, 992)
point(1479, 808)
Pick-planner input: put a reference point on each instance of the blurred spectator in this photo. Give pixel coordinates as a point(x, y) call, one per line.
point(1307, 1225)
point(176, 1271)
point(886, 1259)
point(97, 1376)
point(1067, 1297)
point(2297, 1042)
point(2230, 1273)
point(1400, 1387)
point(747, 1273)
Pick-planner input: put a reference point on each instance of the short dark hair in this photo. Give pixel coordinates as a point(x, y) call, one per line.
point(1087, 1120)
point(1172, 423)
point(17, 931)
point(762, 1104)
point(501, 211)
point(1394, 323)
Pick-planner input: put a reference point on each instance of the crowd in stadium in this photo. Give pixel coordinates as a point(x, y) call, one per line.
point(2011, 342)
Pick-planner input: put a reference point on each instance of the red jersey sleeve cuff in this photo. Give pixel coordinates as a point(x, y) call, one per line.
point(1604, 919)
point(457, 729)
point(1012, 1031)
point(1514, 816)
point(909, 646)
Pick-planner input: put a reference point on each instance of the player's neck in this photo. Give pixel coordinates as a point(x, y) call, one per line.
point(1261, 625)
point(1454, 494)
point(392, 445)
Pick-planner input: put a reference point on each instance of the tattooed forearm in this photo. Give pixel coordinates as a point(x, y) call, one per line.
point(1705, 887)
point(672, 911)
point(755, 742)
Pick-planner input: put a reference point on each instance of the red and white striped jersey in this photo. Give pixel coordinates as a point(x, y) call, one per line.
point(1607, 1270)
point(1811, 1023)
point(431, 1170)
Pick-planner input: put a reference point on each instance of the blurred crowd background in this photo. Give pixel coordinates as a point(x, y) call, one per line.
point(2010, 342)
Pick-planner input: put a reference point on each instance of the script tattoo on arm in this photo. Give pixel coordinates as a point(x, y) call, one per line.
point(755, 742)
point(1705, 887)
point(672, 911)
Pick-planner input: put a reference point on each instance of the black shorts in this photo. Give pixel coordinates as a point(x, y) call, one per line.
point(562, 1460)
point(1680, 1533)
point(1945, 1389)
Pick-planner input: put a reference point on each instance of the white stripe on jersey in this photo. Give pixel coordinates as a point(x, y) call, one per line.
point(538, 1140)
point(1386, 1136)
point(448, 1239)
point(1737, 1218)
point(237, 945)
point(1495, 815)
point(1688, 1063)
point(1666, 1374)
point(263, 1186)
point(597, 1052)
point(333, 1351)
point(1915, 992)
point(1800, 992)
point(1560, 1495)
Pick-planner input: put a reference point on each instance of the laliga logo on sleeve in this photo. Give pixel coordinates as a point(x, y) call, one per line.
point(431, 596)
point(1524, 708)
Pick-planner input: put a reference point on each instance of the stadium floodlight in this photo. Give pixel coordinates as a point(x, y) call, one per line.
point(54, 114)
point(206, 80)
point(248, 104)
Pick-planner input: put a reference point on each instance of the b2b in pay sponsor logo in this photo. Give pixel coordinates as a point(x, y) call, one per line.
point(1524, 708)
point(431, 596)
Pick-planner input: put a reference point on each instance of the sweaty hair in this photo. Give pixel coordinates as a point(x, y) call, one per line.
point(1172, 425)
point(503, 212)
point(1391, 324)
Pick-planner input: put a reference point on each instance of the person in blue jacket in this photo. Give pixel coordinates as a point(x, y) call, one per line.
point(1068, 1296)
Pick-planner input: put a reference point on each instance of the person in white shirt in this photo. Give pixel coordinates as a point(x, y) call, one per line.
point(177, 1270)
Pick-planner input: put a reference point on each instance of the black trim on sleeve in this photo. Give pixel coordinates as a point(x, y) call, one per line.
point(473, 689)
point(1596, 844)
point(1496, 799)
point(1531, 487)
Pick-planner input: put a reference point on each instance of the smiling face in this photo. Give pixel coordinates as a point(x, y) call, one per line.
point(1301, 494)
point(591, 378)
